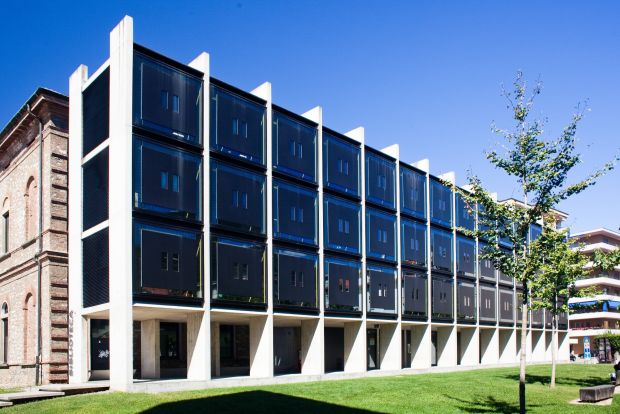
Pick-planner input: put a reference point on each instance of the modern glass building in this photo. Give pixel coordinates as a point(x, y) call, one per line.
point(216, 234)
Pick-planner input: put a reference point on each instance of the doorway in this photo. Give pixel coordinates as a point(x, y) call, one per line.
point(372, 338)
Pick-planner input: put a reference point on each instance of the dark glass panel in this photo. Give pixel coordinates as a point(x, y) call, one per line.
point(294, 147)
point(413, 240)
point(342, 225)
point(487, 304)
point(342, 285)
point(380, 180)
point(465, 215)
point(295, 278)
point(381, 289)
point(441, 204)
point(95, 269)
point(414, 293)
point(442, 297)
point(441, 250)
point(503, 278)
point(95, 190)
point(466, 256)
point(413, 193)
point(341, 165)
point(486, 268)
point(294, 213)
point(506, 301)
point(380, 235)
point(96, 112)
point(466, 302)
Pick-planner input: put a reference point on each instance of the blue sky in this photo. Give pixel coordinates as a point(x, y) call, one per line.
point(426, 75)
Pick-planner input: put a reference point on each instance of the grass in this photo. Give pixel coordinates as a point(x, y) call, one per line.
point(479, 391)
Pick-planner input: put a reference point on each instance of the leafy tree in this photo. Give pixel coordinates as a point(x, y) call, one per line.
point(606, 261)
point(560, 266)
point(540, 168)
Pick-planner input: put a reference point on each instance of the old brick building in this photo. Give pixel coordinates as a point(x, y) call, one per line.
point(33, 252)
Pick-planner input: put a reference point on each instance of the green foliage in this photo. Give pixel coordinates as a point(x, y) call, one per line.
point(614, 341)
point(606, 261)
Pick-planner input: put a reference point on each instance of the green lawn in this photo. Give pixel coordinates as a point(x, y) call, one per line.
point(480, 391)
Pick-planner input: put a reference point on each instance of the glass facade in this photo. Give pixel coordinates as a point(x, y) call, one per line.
point(441, 250)
point(413, 243)
point(487, 304)
point(294, 213)
point(380, 180)
point(237, 271)
point(466, 302)
point(343, 290)
point(342, 225)
point(237, 126)
point(95, 269)
point(167, 100)
point(412, 193)
point(466, 256)
point(95, 192)
point(503, 278)
point(237, 199)
point(442, 298)
point(465, 214)
point(535, 232)
point(294, 147)
point(295, 278)
point(341, 165)
point(380, 235)
point(167, 181)
point(381, 289)
point(96, 112)
point(414, 287)
point(486, 270)
point(167, 261)
point(441, 204)
point(506, 310)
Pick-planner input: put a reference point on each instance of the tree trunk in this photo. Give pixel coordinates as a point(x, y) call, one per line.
point(554, 349)
point(522, 355)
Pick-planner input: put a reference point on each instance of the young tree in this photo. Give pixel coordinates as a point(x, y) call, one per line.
point(540, 168)
point(561, 266)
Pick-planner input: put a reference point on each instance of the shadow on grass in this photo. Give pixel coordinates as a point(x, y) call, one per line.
point(254, 402)
point(572, 381)
point(488, 404)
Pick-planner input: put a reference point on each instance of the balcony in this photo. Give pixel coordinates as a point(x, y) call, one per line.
point(295, 279)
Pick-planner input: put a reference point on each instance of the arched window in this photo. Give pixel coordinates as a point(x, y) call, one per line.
point(31, 208)
point(4, 333)
point(29, 344)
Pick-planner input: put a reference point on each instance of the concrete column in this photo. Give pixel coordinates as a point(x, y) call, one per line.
point(355, 346)
point(421, 346)
point(489, 346)
point(508, 346)
point(215, 349)
point(312, 346)
point(78, 328)
point(538, 346)
point(150, 349)
point(120, 219)
point(198, 346)
point(563, 346)
point(548, 344)
point(446, 346)
point(528, 345)
point(390, 348)
point(470, 346)
point(261, 346)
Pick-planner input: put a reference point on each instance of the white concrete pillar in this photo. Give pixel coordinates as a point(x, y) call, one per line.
point(355, 346)
point(470, 346)
point(120, 211)
point(312, 345)
point(508, 346)
point(548, 344)
point(261, 346)
point(78, 328)
point(563, 346)
point(421, 346)
point(489, 346)
point(538, 346)
point(390, 346)
point(150, 349)
point(198, 346)
point(215, 349)
point(446, 346)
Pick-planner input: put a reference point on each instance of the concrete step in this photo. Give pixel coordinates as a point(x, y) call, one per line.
point(74, 389)
point(28, 396)
point(5, 404)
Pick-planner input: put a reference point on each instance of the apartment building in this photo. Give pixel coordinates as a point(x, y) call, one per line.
point(593, 316)
point(216, 234)
point(33, 242)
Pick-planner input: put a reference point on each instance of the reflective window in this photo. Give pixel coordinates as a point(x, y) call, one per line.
point(381, 289)
point(380, 180)
point(466, 256)
point(466, 301)
point(167, 100)
point(412, 193)
point(237, 199)
point(413, 243)
point(465, 214)
point(294, 147)
point(519, 305)
point(487, 304)
point(380, 235)
point(237, 270)
point(342, 285)
point(237, 126)
point(167, 261)
point(295, 280)
point(96, 112)
point(503, 278)
point(95, 190)
point(486, 268)
point(441, 203)
point(342, 224)
point(537, 317)
point(414, 293)
point(441, 250)
point(95, 269)
point(505, 241)
point(341, 165)
point(506, 310)
point(294, 213)
point(167, 181)
point(535, 232)
point(443, 295)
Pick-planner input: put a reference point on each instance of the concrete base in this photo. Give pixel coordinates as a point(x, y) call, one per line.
point(597, 393)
